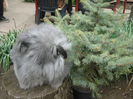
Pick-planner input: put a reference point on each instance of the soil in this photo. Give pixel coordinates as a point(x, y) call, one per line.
point(2, 91)
point(114, 91)
point(117, 90)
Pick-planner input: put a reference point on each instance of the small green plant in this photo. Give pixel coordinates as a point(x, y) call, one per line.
point(107, 0)
point(73, 2)
point(128, 28)
point(6, 43)
point(29, 0)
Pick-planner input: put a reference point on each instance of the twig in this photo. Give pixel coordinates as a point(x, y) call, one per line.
point(129, 84)
point(124, 64)
point(14, 23)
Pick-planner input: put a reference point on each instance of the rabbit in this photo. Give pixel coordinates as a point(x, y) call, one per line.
point(39, 55)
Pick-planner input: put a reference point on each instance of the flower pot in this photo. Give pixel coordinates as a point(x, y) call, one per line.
point(82, 93)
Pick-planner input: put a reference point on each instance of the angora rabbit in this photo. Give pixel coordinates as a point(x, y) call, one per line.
point(38, 56)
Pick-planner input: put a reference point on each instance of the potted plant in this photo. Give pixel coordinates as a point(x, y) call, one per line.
point(101, 52)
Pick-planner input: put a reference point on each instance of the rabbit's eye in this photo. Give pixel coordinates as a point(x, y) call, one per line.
point(24, 47)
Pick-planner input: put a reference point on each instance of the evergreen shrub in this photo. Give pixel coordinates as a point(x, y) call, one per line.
point(101, 50)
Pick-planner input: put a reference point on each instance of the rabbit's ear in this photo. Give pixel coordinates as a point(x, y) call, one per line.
point(61, 51)
point(24, 47)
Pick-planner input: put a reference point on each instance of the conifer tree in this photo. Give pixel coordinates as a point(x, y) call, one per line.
point(101, 51)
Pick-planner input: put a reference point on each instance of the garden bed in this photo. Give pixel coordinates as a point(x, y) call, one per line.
point(113, 91)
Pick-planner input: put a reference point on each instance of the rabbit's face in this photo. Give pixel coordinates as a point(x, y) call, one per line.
point(38, 51)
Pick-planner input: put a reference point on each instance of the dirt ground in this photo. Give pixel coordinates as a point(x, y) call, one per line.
point(2, 92)
point(114, 91)
point(117, 90)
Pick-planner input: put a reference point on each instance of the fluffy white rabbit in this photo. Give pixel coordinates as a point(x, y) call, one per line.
point(39, 56)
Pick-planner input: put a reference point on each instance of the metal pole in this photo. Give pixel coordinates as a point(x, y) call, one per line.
point(77, 5)
point(36, 5)
point(125, 2)
point(114, 8)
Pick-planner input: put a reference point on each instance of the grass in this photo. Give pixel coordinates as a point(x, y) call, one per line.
point(128, 28)
point(6, 43)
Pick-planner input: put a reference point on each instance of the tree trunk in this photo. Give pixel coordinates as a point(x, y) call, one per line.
point(10, 85)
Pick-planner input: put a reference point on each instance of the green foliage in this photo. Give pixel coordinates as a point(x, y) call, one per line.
point(101, 50)
point(29, 0)
point(128, 28)
point(107, 0)
point(73, 2)
point(6, 43)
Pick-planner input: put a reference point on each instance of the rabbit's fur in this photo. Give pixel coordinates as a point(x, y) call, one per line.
point(38, 56)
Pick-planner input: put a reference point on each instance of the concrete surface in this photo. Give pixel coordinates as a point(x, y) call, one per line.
point(20, 14)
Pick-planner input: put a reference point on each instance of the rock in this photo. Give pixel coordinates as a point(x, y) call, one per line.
point(11, 86)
